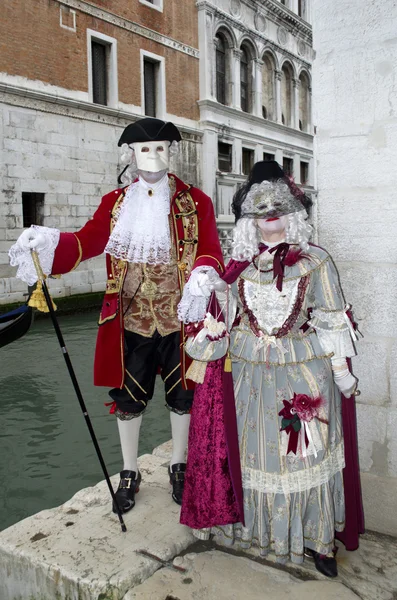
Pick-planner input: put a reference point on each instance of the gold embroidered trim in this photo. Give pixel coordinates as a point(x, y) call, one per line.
point(106, 319)
point(173, 371)
point(78, 261)
point(295, 336)
point(277, 364)
point(213, 258)
point(187, 209)
point(133, 397)
point(112, 286)
point(136, 383)
point(175, 384)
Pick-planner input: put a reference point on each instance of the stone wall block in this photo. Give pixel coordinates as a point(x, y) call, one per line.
point(371, 425)
point(393, 375)
point(372, 290)
point(371, 366)
point(392, 441)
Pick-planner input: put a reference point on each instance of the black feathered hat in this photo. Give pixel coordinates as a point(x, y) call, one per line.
point(150, 130)
point(269, 170)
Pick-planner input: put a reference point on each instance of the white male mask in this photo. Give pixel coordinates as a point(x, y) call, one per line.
point(152, 156)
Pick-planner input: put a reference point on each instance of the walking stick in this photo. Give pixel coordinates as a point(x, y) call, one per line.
point(46, 304)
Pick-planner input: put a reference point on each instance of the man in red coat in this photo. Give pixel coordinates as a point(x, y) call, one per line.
point(160, 239)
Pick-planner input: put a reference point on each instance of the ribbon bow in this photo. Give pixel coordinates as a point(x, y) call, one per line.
point(280, 254)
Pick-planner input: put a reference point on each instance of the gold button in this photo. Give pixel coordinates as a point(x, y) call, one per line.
point(182, 266)
point(150, 192)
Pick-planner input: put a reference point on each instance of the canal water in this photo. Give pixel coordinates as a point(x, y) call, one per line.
point(46, 453)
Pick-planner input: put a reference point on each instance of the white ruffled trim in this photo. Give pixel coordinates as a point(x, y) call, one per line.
point(142, 230)
point(295, 481)
point(334, 331)
point(20, 255)
point(337, 342)
point(335, 319)
point(191, 308)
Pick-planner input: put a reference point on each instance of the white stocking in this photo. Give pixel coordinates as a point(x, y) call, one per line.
point(129, 440)
point(180, 433)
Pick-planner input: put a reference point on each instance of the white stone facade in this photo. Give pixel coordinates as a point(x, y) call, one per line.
point(269, 33)
point(355, 112)
point(67, 150)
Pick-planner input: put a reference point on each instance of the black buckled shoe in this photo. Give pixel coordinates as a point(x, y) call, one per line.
point(177, 480)
point(128, 486)
point(326, 565)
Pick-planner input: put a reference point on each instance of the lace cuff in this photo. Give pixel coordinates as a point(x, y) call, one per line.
point(191, 308)
point(21, 257)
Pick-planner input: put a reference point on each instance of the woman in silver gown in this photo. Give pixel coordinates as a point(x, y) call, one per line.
point(288, 348)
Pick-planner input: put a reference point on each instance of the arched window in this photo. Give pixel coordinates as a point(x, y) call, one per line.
point(286, 95)
point(268, 89)
point(304, 102)
point(244, 81)
point(221, 62)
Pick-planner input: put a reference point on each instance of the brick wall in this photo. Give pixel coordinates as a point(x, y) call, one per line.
point(33, 45)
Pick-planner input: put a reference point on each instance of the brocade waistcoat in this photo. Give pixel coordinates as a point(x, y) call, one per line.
point(150, 297)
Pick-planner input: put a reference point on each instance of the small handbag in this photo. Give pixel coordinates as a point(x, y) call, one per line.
point(210, 343)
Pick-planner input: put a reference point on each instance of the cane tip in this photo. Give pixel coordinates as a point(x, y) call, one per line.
point(123, 528)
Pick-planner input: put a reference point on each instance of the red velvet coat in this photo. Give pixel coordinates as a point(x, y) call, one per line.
point(197, 244)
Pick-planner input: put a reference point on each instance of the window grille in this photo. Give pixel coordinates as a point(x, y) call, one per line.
point(244, 81)
point(224, 157)
point(288, 166)
point(99, 73)
point(150, 76)
point(248, 161)
point(304, 173)
point(32, 208)
point(268, 156)
point(220, 70)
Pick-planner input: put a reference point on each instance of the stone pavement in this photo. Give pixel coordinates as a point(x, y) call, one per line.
point(78, 552)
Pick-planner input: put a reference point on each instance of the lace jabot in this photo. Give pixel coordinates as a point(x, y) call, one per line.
point(142, 231)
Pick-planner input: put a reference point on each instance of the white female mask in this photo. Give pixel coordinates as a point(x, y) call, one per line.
point(151, 156)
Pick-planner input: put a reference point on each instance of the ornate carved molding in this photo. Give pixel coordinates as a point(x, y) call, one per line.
point(271, 10)
point(132, 26)
point(260, 21)
point(282, 35)
point(237, 24)
point(235, 8)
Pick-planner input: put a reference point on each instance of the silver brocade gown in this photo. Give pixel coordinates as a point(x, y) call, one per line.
point(290, 501)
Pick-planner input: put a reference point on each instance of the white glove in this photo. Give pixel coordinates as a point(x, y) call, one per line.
point(42, 239)
point(345, 381)
point(202, 283)
point(347, 384)
point(31, 239)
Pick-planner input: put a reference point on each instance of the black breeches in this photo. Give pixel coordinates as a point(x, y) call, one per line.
point(143, 358)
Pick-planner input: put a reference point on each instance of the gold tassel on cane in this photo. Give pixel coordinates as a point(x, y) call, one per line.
point(37, 299)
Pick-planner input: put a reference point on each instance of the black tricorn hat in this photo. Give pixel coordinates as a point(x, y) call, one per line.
point(149, 130)
point(268, 170)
